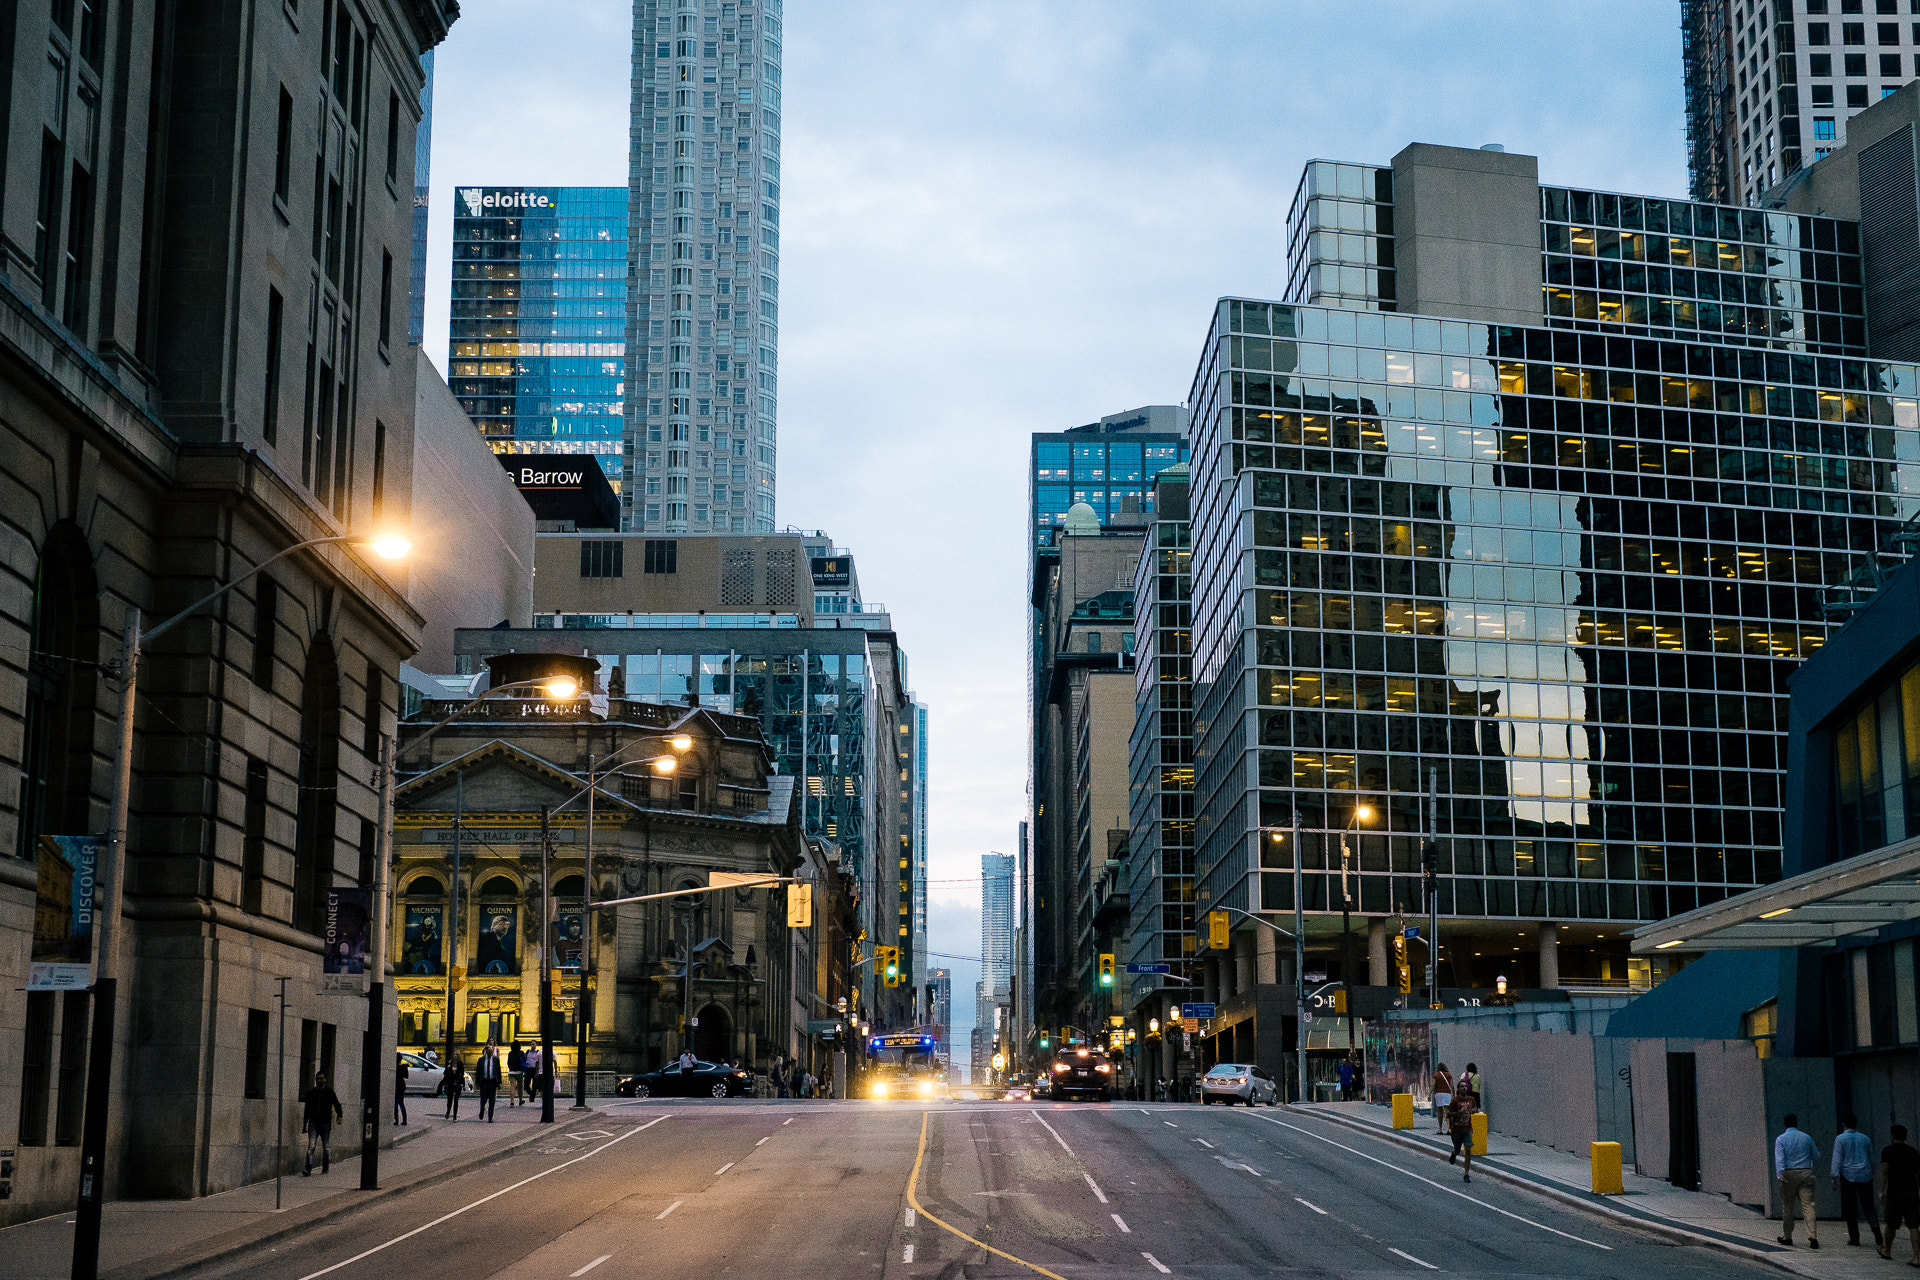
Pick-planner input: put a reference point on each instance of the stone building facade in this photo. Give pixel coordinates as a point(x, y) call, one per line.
point(721, 809)
point(203, 362)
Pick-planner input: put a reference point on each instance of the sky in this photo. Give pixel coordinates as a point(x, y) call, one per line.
point(1007, 216)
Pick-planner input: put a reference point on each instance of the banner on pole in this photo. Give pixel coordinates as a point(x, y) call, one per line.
point(65, 899)
point(343, 963)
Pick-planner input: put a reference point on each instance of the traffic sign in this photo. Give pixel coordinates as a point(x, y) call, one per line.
point(1196, 1011)
point(1149, 968)
point(1411, 931)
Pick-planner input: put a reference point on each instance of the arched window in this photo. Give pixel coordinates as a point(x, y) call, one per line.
point(425, 887)
point(314, 840)
point(498, 887)
point(570, 887)
point(56, 772)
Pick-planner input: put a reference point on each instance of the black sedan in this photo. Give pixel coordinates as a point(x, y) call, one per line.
point(706, 1080)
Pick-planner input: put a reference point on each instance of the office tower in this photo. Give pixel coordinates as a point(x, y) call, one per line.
point(536, 330)
point(996, 924)
point(1771, 85)
point(913, 761)
point(1090, 497)
point(939, 988)
point(422, 169)
point(703, 320)
point(1550, 541)
point(1160, 753)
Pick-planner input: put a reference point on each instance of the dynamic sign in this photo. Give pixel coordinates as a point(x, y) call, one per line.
point(480, 202)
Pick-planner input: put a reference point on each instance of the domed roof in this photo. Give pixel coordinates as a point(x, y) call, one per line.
point(1080, 519)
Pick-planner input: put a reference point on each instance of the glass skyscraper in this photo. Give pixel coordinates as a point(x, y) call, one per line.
point(537, 333)
point(703, 320)
point(422, 168)
point(1558, 570)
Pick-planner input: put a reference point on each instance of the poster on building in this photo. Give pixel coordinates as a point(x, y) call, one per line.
point(343, 928)
point(63, 908)
point(420, 946)
point(569, 940)
point(499, 950)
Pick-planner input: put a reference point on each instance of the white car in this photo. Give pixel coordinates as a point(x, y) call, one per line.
point(1232, 1082)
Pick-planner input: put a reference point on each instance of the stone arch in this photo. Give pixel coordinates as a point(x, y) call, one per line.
point(713, 1038)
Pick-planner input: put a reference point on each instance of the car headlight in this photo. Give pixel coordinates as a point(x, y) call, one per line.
point(1103, 1068)
point(1059, 1067)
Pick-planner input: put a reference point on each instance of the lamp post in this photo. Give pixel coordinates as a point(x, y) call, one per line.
point(1360, 811)
point(112, 891)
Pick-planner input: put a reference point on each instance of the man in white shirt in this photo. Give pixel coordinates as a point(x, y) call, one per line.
point(1794, 1154)
point(1853, 1174)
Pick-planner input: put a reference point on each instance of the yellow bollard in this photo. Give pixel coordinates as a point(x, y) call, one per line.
point(1606, 1169)
point(1403, 1111)
point(1479, 1133)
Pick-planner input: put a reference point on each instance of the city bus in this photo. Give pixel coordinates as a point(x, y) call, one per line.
point(905, 1064)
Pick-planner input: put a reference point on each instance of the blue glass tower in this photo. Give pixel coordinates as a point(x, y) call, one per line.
point(538, 324)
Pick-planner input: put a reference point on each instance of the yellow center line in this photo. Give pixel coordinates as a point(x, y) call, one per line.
point(913, 1199)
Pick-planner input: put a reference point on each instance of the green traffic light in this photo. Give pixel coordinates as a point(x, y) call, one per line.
point(1106, 979)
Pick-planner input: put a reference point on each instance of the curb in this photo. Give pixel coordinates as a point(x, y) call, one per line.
point(227, 1244)
point(1776, 1258)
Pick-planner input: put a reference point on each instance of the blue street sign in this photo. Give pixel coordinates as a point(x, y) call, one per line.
point(1149, 968)
point(1412, 931)
point(1196, 1011)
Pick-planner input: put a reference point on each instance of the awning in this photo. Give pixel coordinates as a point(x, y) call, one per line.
point(1821, 906)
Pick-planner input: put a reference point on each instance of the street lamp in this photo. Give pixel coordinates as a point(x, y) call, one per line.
point(111, 890)
point(1360, 814)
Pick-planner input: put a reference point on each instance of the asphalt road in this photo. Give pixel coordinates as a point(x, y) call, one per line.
point(782, 1191)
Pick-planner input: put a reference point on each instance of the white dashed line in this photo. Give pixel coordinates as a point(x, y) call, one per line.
point(1410, 1258)
point(590, 1266)
point(1316, 1208)
point(1121, 1223)
point(1055, 1132)
point(762, 1142)
point(906, 1255)
point(723, 1168)
point(1098, 1194)
point(1170, 1124)
point(1158, 1265)
point(789, 1120)
point(669, 1209)
point(1203, 1142)
point(909, 1217)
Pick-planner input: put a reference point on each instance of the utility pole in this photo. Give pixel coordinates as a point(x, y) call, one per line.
point(1433, 889)
point(452, 931)
point(546, 971)
point(280, 1101)
point(1299, 966)
point(373, 1042)
point(1346, 939)
point(582, 1007)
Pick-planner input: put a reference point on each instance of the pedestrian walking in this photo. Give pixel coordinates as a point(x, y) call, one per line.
point(486, 1078)
point(517, 1069)
point(452, 1082)
point(1345, 1072)
point(1460, 1113)
point(321, 1109)
point(1900, 1192)
point(400, 1074)
point(687, 1064)
point(779, 1077)
point(1469, 1081)
point(1853, 1175)
point(1442, 1096)
point(532, 1064)
point(1794, 1154)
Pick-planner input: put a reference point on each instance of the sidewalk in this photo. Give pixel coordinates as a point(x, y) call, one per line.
point(140, 1239)
point(1649, 1202)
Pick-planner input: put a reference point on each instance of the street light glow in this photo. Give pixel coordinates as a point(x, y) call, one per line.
point(562, 687)
point(665, 764)
point(1363, 813)
point(390, 546)
point(680, 743)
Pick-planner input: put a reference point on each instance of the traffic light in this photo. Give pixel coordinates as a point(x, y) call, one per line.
point(1400, 960)
point(1217, 930)
point(1106, 970)
point(799, 906)
point(1045, 1041)
point(889, 964)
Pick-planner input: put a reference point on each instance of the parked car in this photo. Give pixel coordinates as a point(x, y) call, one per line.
point(1232, 1082)
point(1081, 1072)
point(706, 1080)
point(424, 1075)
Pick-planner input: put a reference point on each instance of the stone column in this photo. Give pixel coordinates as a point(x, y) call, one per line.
point(1266, 957)
point(1243, 962)
point(1549, 956)
point(1377, 952)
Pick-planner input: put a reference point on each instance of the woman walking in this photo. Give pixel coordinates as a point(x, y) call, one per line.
point(517, 1071)
point(1442, 1096)
point(400, 1091)
point(452, 1081)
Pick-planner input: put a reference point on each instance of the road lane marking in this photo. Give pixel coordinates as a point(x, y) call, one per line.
point(909, 1217)
point(669, 1209)
point(1234, 1165)
point(1436, 1185)
point(575, 1275)
point(913, 1199)
point(1055, 1132)
point(1121, 1223)
point(1410, 1258)
point(1098, 1194)
point(1316, 1208)
point(1203, 1142)
point(1170, 1124)
point(723, 1168)
point(1158, 1265)
point(762, 1142)
point(906, 1255)
point(448, 1217)
point(789, 1120)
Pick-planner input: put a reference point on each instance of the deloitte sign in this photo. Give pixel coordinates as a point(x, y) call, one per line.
point(480, 202)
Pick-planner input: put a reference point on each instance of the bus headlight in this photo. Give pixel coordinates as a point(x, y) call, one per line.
point(926, 1088)
point(879, 1088)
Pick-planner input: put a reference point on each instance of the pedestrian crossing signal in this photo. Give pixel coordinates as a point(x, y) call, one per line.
point(799, 906)
point(1106, 970)
point(1217, 930)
